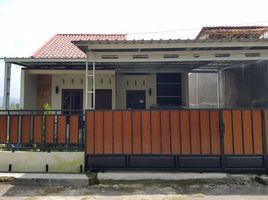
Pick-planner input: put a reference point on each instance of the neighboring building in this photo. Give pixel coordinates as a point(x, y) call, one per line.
point(233, 32)
point(241, 85)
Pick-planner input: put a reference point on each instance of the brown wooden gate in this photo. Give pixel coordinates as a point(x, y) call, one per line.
point(199, 139)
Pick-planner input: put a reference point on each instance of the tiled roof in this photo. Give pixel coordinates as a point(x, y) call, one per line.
point(232, 32)
point(60, 45)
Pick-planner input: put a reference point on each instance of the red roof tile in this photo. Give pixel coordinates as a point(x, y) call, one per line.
point(60, 45)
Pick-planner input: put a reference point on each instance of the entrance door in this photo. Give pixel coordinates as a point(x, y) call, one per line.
point(136, 99)
point(103, 99)
point(72, 101)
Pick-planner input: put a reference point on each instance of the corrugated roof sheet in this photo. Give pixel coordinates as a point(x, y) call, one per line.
point(61, 46)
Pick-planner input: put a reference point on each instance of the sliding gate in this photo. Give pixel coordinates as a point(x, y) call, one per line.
point(193, 140)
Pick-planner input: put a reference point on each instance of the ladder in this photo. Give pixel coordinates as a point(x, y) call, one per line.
point(90, 84)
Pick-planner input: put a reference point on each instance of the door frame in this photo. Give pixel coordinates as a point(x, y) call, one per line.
point(72, 90)
point(145, 97)
point(110, 90)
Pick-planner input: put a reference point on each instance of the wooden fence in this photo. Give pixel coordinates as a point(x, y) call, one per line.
point(48, 130)
point(204, 139)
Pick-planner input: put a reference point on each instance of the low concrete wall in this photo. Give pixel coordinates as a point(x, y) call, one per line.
point(22, 161)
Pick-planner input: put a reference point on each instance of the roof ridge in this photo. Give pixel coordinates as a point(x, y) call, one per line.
point(44, 45)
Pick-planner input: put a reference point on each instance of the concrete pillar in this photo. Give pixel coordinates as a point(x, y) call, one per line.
point(7, 80)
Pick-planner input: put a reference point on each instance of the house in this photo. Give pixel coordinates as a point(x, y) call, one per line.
point(55, 74)
point(135, 74)
point(137, 97)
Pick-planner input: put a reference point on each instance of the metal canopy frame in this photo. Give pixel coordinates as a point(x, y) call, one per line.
point(142, 56)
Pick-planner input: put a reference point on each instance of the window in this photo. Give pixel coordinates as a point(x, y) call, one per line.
point(168, 89)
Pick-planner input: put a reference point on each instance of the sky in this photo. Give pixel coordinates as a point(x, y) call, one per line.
point(27, 24)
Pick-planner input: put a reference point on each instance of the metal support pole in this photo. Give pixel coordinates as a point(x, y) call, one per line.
point(7, 79)
point(93, 77)
point(86, 84)
point(218, 89)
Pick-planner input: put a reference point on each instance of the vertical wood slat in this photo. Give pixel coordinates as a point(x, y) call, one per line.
point(205, 132)
point(195, 132)
point(90, 122)
point(108, 132)
point(266, 129)
point(98, 132)
point(127, 130)
point(14, 129)
point(165, 132)
point(146, 132)
point(49, 127)
point(175, 132)
point(136, 137)
point(25, 129)
point(3, 129)
point(185, 133)
point(237, 132)
point(257, 132)
point(156, 135)
point(215, 132)
point(247, 129)
point(74, 129)
point(61, 129)
point(228, 136)
point(37, 129)
point(117, 140)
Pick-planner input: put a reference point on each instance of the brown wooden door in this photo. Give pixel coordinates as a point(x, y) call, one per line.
point(103, 99)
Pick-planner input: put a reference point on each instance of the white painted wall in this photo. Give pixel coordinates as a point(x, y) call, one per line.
point(77, 81)
point(24, 161)
point(28, 92)
point(105, 79)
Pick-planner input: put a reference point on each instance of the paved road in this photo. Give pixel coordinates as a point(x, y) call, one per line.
point(155, 190)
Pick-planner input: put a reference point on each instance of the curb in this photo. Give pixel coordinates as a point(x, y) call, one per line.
point(30, 179)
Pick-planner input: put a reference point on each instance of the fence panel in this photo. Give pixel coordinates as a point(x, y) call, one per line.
point(205, 132)
point(98, 132)
point(165, 132)
point(257, 132)
point(14, 129)
point(195, 132)
point(74, 129)
point(108, 132)
point(175, 132)
point(247, 130)
point(243, 132)
point(62, 129)
point(127, 132)
point(25, 129)
point(3, 129)
point(49, 127)
point(146, 132)
point(117, 131)
point(185, 132)
point(37, 129)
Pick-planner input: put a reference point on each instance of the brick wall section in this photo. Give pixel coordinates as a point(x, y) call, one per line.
point(44, 90)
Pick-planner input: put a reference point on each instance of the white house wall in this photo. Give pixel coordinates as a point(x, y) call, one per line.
point(119, 83)
point(77, 81)
point(28, 91)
